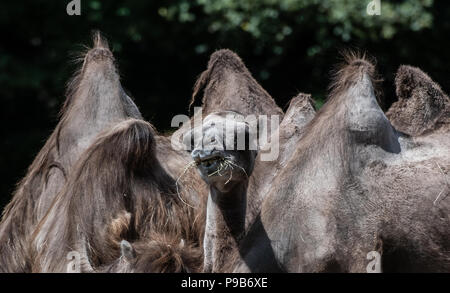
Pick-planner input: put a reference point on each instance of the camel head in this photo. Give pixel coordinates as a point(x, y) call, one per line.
point(223, 149)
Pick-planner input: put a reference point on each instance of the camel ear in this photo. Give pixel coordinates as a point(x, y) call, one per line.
point(422, 105)
point(366, 120)
point(127, 251)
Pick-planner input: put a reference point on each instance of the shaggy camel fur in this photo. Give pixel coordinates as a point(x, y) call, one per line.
point(95, 101)
point(354, 185)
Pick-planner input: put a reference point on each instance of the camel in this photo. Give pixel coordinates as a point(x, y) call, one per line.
point(226, 200)
point(228, 84)
point(220, 81)
point(353, 187)
point(95, 101)
point(52, 230)
point(159, 206)
point(119, 191)
point(228, 174)
point(348, 182)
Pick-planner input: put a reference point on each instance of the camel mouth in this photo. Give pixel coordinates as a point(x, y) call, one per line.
point(209, 162)
point(209, 165)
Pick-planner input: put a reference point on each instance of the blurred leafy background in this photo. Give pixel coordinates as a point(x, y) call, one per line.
point(162, 46)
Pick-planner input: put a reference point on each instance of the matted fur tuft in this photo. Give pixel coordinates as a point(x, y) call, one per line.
point(228, 85)
point(355, 64)
point(99, 41)
point(220, 59)
point(160, 253)
point(422, 106)
point(99, 44)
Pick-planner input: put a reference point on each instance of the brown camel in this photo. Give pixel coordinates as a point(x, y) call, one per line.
point(95, 101)
point(158, 208)
point(149, 251)
point(354, 187)
point(228, 85)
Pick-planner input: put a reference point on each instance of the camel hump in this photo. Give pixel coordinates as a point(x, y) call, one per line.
point(354, 89)
point(301, 102)
point(100, 50)
point(96, 87)
point(225, 58)
point(357, 69)
point(227, 84)
point(98, 65)
point(98, 40)
point(130, 142)
point(422, 106)
point(300, 112)
point(218, 62)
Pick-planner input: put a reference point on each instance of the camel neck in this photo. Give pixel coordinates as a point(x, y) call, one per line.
point(225, 222)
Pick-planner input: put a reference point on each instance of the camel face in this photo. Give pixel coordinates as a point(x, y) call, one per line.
point(222, 151)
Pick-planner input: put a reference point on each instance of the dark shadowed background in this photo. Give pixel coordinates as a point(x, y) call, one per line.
point(162, 46)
